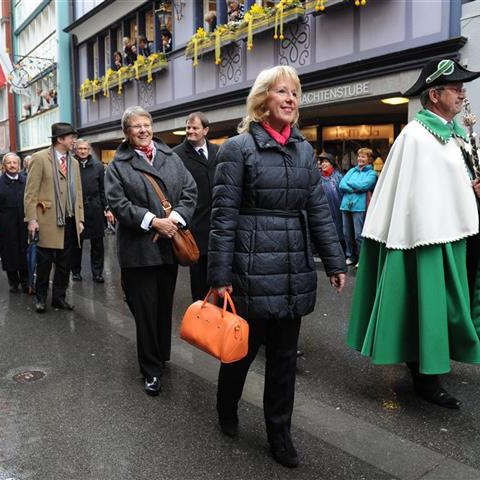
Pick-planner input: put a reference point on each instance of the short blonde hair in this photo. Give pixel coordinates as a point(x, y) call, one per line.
point(367, 151)
point(256, 110)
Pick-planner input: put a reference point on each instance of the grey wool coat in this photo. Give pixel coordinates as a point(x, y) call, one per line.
point(268, 207)
point(130, 195)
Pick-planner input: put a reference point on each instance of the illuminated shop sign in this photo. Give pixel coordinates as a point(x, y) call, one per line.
point(332, 94)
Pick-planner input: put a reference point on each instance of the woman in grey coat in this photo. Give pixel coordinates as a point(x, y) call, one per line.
point(149, 268)
point(267, 207)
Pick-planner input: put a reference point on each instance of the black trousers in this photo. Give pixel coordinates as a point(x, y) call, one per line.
point(149, 293)
point(96, 256)
point(198, 278)
point(62, 259)
point(280, 338)
point(18, 277)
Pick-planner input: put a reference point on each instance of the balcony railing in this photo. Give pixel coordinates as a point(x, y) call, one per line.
point(34, 132)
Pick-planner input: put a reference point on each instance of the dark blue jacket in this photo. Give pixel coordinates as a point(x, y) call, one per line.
point(268, 206)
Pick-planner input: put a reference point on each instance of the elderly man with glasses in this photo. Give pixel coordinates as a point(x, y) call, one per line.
point(411, 302)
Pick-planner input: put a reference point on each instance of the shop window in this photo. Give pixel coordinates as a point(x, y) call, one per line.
point(343, 141)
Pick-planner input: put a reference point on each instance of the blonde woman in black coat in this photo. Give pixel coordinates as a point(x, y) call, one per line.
point(149, 268)
point(268, 206)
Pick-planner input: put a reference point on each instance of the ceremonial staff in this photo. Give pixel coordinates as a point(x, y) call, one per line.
point(469, 120)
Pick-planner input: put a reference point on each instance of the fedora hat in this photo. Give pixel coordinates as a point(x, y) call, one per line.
point(62, 128)
point(440, 72)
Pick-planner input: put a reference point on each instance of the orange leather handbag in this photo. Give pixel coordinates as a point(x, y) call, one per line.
point(215, 330)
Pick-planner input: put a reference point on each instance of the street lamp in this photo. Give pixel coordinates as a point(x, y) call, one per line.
point(165, 9)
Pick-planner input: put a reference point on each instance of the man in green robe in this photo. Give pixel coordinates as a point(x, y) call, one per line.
point(411, 301)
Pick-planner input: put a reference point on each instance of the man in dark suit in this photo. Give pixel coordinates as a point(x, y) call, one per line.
point(13, 237)
point(94, 210)
point(198, 155)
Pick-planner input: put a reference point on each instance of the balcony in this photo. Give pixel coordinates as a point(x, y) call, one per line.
point(143, 67)
point(34, 132)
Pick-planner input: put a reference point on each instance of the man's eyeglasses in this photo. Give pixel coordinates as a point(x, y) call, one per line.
point(457, 90)
point(140, 127)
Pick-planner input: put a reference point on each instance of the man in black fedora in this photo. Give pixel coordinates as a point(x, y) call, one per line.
point(411, 302)
point(54, 212)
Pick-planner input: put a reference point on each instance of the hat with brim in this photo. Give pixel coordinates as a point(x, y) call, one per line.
point(440, 72)
point(62, 128)
point(327, 156)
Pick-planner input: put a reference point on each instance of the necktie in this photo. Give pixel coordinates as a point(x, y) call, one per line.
point(201, 151)
point(63, 165)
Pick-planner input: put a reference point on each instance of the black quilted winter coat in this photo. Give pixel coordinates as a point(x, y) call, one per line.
point(268, 207)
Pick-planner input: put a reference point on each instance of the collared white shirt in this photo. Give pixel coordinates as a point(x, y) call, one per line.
point(59, 155)
point(204, 148)
point(14, 177)
point(149, 216)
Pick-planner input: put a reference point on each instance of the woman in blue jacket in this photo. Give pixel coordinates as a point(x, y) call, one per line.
point(354, 186)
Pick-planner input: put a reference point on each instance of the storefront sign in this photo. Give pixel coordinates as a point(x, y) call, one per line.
point(333, 94)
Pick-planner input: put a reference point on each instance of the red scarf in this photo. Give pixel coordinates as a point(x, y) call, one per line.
point(328, 171)
point(282, 137)
point(148, 151)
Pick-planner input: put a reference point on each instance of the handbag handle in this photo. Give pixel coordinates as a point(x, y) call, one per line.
point(226, 299)
point(167, 206)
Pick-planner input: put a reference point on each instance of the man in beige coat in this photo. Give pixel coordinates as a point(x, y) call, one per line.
point(54, 212)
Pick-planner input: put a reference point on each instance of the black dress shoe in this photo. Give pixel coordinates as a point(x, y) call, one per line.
point(76, 277)
point(13, 288)
point(229, 428)
point(300, 353)
point(98, 279)
point(152, 386)
point(284, 453)
point(40, 306)
point(439, 397)
point(62, 304)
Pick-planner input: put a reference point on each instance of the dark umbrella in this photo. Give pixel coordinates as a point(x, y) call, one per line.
point(32, 262)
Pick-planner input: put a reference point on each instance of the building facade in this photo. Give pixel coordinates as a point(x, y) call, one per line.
point(351, 59)
point(43, 70)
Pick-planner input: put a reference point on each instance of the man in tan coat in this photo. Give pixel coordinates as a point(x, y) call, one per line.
point(54, 212)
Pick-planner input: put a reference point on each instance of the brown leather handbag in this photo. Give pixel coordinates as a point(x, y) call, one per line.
point(215, 330)
point(184, 245)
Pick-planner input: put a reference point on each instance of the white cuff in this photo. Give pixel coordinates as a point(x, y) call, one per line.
point(177, 218)
point(147, 220)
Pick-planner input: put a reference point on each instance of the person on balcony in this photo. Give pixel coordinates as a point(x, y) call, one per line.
point(143, 47)
point(117, 61)
point(236, 11)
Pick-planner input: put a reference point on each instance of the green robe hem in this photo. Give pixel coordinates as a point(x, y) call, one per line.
point(414, 305)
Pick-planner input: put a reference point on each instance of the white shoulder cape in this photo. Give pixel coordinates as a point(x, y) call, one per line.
point(423, 195)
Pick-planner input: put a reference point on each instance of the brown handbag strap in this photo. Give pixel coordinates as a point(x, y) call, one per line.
point(167, 206)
